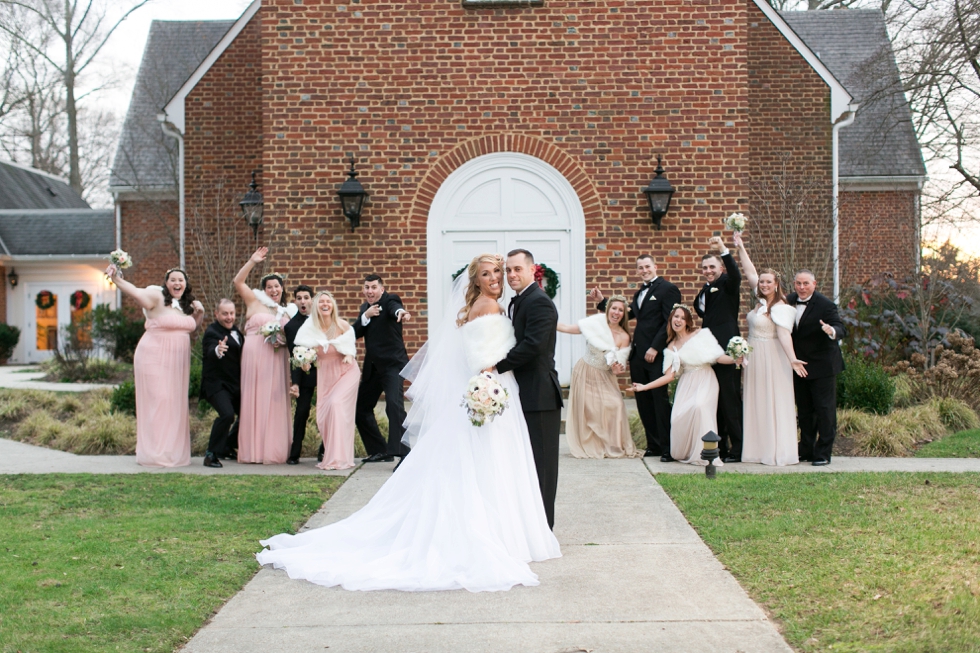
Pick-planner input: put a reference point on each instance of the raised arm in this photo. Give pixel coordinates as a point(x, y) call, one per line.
point(147, 298)
point(569, 328)
point(241, 287)
point(743, 256)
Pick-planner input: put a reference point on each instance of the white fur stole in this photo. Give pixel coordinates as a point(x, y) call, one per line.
point(486, 341)
point(289, 309)
point(597, 333)
point(701, 349)
point(783, 315)
point(311, 337)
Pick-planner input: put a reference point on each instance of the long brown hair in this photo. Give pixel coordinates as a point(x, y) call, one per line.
point(318, 319)
point(688, 320)
point(186, 300)
point(473, 289)
point(780, 297)
point(624, 322)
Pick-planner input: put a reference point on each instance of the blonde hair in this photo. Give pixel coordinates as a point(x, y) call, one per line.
point(473, 289)
point(318, 319)
point(624, 322)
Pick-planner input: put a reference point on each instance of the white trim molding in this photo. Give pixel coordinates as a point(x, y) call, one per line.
point(841, 101)
point(174, 110)
point(882, 183)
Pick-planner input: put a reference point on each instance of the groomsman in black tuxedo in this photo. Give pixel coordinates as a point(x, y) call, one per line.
point(718, 305)
point(651, 307)
point(303, 384)
point(532, 360)
point(816, 335)
point(220, 378)
point(380, 324)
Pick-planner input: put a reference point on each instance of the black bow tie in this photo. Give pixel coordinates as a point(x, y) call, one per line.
point(646, 284)
point(802, 302)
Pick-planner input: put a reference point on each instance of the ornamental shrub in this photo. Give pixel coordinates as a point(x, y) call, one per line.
point(116, 331)
point(9, 337)
point(866, 386)
point(123, 398)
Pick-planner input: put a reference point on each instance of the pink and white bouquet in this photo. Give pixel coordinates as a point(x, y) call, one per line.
point(119, 260)
point(303, 358)
point(738, 347)
point(272, 332)
point(736, 222)
point(484, 399)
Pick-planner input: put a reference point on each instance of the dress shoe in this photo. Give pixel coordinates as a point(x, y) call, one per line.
point(292, 461)
point(820, 462)
point(211, 461)
point(232, 455)
point(731, 459)
point(666, 458)
point(379, 458)
point(650, 454)
point(319, 456)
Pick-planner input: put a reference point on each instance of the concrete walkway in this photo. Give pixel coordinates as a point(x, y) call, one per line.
point(24, 377)
point(634, 576)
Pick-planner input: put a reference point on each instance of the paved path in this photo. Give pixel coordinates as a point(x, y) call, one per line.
point(634, 576)
point(24, 377)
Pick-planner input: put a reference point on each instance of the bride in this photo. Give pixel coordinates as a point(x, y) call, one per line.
point(463, 511)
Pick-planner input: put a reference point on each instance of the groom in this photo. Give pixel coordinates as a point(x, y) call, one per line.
point(533, 362)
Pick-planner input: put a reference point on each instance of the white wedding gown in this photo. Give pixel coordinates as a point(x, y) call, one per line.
point(463, 511)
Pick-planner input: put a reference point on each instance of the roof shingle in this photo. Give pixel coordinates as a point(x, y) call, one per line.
point(26, 188)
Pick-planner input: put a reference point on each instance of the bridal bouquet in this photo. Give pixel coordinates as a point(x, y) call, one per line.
point(484, 399)
point(121, 259)
point(303, 357)
point(736, 222)
point(272, 331)
point(737, 348)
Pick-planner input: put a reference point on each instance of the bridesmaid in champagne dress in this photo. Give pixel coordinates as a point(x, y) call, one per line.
point(161, 368)
point(768, 403)
point(337, 379)
point(596, 425)
point(690, 353)
point(264, 429)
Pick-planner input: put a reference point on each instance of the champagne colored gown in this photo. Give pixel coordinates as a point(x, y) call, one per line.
point(695, 410)
point(264, 428)
point(161, 368)
point(768, 403)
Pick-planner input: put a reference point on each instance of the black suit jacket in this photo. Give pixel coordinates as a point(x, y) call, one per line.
point(221, 373)
point(811, 344)
point(383, 342)
point(651, 317)
point(721, 303)
point(298, 376)
point(533, 357)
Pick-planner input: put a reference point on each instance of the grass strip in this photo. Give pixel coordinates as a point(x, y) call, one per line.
point(136, 562)
point(849, 562)
point(965, 444)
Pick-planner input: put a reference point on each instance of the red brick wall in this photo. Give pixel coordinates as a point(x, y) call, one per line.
point(150, 234)
point(878, 233)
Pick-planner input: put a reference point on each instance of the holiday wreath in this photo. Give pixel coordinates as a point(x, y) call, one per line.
point(80, 300)
point(45, 300)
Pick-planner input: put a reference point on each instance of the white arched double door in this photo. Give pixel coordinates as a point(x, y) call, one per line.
point(504, 201)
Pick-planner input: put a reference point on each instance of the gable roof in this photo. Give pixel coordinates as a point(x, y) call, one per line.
point(26, 188)
point(57, 233)
point(146, 157)
point(854, 44)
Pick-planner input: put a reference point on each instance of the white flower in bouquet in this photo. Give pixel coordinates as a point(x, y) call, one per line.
point(271, 332)
point(303, 358)
point(736, 222)
point(484, 399)
point(737, 348)
point(121, 259)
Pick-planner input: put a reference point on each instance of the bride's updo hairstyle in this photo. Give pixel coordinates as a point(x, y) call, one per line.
point(624, 322)
point(473, 289)
point(318, 320)
point(688, 320)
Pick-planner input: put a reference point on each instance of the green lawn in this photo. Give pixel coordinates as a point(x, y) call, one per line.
point(849, 562)
point(136, 562)
point(965, 444)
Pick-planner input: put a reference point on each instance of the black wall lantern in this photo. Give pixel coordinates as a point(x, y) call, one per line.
point(13, 278)
point(658, 194)
point(252, 207)
point(352, 196)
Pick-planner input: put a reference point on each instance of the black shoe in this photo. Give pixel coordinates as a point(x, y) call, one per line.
point(233, 455)
point(820, 462)
point(731, 459)
point(319, 454)
point(211, 461)
point(401, 459)
point(292, 461)
point(379, 458)
point(666, 458)
point(650, 454)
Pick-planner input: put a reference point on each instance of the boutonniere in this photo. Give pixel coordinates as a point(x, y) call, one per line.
point(714, 290)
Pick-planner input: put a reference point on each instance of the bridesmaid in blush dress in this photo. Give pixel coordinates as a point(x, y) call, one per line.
point(161, 368)
point(689, 354)
point(337, 379)
point(768, 402)
point(264, 429)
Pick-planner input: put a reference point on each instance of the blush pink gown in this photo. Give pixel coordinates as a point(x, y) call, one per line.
point(264, 428)
point(161, 367)
point(336, 397)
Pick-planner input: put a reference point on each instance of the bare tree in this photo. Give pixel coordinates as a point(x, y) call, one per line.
point(73, 34)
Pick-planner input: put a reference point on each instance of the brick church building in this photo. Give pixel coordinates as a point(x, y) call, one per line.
point(488, 125)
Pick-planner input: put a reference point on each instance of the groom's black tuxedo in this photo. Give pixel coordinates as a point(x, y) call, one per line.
point(816, 395)
point(533, 362)
point(307, 387)
point(384, 358)
point(720, 317)
point(220, 385)
point(652, 316)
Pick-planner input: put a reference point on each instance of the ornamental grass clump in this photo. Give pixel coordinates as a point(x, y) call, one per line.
point(956, 373)
point(904, 429)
